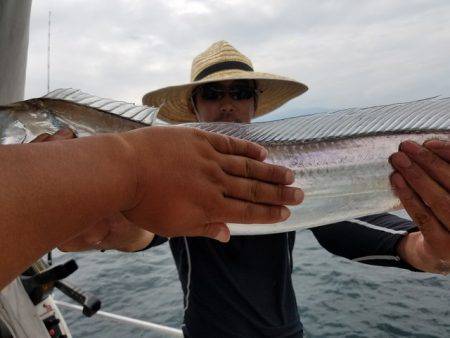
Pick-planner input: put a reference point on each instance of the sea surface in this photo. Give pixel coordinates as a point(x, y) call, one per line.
point(336, 297)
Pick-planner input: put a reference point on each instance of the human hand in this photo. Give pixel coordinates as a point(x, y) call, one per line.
point(62, 134)
point(422, 182)
point(114, 232)
point(190, 182)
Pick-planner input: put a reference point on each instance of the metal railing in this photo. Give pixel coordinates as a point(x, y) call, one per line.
point(165, 331)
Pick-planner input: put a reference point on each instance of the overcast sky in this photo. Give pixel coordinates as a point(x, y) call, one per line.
point(349, 53)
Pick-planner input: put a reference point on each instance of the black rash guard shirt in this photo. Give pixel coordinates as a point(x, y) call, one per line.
point(244, 288)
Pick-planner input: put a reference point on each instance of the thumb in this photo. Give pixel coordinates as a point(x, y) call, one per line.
point(217, 231)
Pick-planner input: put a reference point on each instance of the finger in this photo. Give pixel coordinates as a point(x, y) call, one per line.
point(234, 146)
point(439, 147)
point(260, 192)
point(429, 225)
point(40, 138)
point(218, 231)
point(62, 134)
point(432, 164)
point(434, 196)
point(237, 211)
point(245, 167)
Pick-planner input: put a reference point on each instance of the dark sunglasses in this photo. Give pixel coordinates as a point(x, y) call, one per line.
point(217, 91)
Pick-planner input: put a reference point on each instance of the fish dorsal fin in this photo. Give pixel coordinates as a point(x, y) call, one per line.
point(143, 114)
point(427, 115)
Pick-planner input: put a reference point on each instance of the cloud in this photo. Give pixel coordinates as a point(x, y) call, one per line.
point(350, 53)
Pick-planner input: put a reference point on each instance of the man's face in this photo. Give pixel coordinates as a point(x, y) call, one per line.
point(225, 101)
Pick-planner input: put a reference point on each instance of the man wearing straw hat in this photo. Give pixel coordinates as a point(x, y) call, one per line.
point(244, 288)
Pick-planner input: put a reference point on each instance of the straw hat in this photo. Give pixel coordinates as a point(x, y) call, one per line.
point(221, 62)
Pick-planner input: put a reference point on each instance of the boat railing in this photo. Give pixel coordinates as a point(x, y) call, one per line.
point(165, 331)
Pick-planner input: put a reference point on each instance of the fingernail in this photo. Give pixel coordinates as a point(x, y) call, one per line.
point(398, 181)
point(411, 147)
point(290, 177)
point(263, 153)
point(401, 160)
point(434, 144)
point(65, 132)
point(223, 236)
point(298, 196)
point(285, 213)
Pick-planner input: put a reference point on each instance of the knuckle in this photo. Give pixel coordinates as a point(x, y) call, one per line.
point(196, 133)
point(408, 196)
point(440, 204)
point(421, 218)
point(215, 173)
point(248, 168)
point(432, 160)
point(212, 211)
point(281, 193)
point(249, 213)
point(274, 173)
point(247, 147)
point(229, 145)
point(274, 213)
point(254, 189)
point(415, 173)
point(208, 230)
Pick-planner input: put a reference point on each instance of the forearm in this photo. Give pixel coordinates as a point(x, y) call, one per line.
point(52, 191)
point(371, 240)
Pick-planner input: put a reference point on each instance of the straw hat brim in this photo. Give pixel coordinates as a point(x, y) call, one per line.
point(174, 100)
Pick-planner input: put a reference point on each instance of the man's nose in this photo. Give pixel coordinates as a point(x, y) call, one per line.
point(227, 104)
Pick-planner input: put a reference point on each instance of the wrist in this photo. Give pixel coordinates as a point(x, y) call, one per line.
point(403, 248)
point(127, 165)
point(408, 251)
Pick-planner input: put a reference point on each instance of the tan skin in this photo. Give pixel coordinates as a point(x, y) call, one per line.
point(423, 187)
point(117, 232)
point(422, 182)
point(172, 181)
point(113, 232)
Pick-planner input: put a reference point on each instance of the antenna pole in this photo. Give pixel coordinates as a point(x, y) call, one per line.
point(48, 52)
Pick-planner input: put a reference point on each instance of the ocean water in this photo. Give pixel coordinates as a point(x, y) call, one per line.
point(336, 297)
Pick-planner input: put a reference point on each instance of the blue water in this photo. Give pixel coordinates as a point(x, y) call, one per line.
point(336, 297)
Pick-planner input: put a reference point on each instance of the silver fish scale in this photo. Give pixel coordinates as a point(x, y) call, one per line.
point(340, 159)
point(418, 116)
point(143, 114)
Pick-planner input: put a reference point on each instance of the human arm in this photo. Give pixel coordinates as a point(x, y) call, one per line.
point(54, 190)
point(371, 240)
point(113, 232)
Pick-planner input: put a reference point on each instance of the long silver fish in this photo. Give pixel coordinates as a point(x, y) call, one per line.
point(340, 159)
